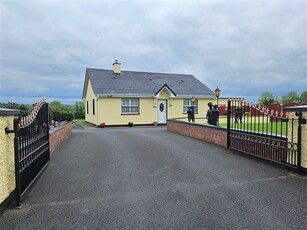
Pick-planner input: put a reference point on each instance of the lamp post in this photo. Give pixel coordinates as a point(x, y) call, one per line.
point(191, 113)
point(217, 93)
point(193, 101)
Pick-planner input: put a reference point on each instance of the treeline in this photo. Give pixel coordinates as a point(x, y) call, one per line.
point(292, 97)
point(57, 110)
point(61, 112)
point(24, 108)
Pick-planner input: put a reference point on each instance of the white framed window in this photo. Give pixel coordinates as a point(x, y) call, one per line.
point(93, 106)
point(187, 103)
point(130, 106)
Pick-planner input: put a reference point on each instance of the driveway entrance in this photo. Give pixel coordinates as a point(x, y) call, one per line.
point(148, 178)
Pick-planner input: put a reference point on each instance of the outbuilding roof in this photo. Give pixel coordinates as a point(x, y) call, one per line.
point(108, 83)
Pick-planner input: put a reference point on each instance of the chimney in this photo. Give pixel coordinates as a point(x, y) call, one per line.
point(116, 67)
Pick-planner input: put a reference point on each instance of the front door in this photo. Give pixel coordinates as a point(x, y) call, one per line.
point(162, 111)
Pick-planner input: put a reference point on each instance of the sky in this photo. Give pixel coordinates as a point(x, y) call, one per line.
point(243, 47)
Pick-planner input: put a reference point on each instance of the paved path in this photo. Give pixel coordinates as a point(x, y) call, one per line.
point(148, 178)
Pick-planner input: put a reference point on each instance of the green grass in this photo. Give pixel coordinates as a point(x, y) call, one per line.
point(267, 128)
point(79, 120)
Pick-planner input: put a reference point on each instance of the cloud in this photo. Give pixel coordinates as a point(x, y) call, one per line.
point(243, 47)
point(28, 84)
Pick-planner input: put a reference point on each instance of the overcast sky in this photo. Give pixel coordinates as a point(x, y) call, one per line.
point(243, 47)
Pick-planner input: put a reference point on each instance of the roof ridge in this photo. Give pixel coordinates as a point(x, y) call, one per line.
point(134, 71)
point(105, 81)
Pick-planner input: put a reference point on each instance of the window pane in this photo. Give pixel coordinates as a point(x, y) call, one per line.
point(134, 102)
point(186, 102)
point(125, 102)
point(186, 105)
point(134, 109)
point(125, 109)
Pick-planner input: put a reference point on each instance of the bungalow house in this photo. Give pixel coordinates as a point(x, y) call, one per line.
point(117, 97)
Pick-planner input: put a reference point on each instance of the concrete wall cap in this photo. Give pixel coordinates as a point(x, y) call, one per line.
point(4, 111)
point(297, 108)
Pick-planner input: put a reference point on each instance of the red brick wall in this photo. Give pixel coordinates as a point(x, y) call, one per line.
point(58, 137)
point(213, 134)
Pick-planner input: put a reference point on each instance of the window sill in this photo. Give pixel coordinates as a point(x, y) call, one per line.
point(129, 114)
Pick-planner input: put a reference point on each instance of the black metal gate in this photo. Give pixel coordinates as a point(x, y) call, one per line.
point(264, 133)
point(31, 148)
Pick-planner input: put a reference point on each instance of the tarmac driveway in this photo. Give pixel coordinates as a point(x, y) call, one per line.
point(148, 178)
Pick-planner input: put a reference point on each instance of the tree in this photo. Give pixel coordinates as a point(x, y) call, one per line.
point(61, 112)
point(291, 97)
point(267, 98)
point(24, 109)
point(79, 110)
point(303, 98)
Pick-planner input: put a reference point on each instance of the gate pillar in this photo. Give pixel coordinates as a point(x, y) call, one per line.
point(299, 132)
point(7, 165)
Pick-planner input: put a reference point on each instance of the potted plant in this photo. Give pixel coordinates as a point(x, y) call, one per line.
point(102, 125)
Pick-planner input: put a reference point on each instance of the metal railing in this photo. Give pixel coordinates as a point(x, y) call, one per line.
point(255, 130)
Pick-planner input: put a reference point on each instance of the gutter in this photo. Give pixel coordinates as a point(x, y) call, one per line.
point(152, 96)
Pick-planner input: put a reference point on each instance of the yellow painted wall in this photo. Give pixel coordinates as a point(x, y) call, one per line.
point(175, 108)
point(7, 166)
point(89, 117)
point(109, 110)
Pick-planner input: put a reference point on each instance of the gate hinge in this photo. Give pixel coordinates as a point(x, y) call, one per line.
point(7, 130)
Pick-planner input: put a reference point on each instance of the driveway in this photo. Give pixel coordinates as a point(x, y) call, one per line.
point(148, 178)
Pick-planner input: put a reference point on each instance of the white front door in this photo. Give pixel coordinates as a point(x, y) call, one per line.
point(162, 111)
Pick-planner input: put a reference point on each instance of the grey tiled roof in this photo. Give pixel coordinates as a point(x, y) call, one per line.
point(105, 82)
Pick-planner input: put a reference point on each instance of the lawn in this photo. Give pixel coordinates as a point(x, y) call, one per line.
point(279, 128)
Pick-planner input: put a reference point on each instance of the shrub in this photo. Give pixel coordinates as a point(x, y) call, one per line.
point(62, 116)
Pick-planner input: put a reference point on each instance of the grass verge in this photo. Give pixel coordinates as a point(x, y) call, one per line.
point(79, 120)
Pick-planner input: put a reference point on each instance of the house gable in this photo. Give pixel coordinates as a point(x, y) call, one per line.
point(85, 85)
point(166, 88)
